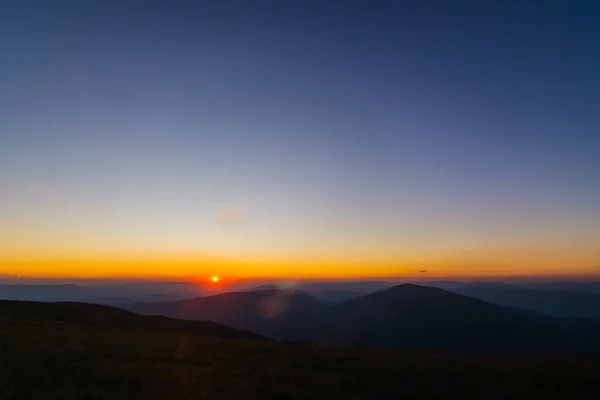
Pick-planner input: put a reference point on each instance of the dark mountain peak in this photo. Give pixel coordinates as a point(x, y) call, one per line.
point(417, 305)
point(414, 316)
point(411, 287)
point(413, 294)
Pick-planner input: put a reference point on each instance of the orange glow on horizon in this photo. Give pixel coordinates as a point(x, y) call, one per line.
point(163, 269)
point(178, 265)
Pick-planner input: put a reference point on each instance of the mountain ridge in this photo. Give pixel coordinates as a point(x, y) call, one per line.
point(405, 316)
point(278, 313)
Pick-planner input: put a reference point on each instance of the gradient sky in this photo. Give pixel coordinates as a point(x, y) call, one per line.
point(299, 138)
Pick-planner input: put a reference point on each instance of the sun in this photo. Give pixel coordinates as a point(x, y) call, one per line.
point(215, 278)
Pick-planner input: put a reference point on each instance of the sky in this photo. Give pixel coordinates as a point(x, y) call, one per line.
point(299, 138)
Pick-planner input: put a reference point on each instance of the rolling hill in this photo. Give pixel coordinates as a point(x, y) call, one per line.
point(418, 317)
point(283, 314)
point(83, 316)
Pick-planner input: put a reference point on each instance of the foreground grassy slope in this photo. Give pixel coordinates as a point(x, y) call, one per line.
point(75, 351)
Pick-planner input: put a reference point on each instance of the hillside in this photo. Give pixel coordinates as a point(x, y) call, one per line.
point(402, 317)
point(276, 313)
point(419, 317)
point(559, 303)
point(80, 351)
point(83, 317)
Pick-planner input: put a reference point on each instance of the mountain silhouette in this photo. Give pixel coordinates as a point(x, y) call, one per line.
point(282, 314)
point(406, 316)
point(409, 316)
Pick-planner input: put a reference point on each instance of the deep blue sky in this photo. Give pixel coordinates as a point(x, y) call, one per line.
point(339, 132)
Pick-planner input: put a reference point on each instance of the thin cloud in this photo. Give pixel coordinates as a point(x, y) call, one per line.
point(230, 215)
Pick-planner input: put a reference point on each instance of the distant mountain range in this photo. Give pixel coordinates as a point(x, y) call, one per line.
point(469, 316)
point(101, 293)
point(559, 299)
point(555, 302)
point(403, 317)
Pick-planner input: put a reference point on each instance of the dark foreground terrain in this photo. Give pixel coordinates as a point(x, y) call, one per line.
point(80, 351)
